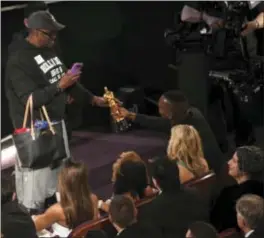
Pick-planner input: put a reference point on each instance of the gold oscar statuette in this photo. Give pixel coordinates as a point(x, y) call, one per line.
point(120, 122)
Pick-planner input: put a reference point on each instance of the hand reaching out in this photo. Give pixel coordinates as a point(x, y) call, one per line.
point(127, 114)
point(249, 27)
point(99, 101)
point(123, 112)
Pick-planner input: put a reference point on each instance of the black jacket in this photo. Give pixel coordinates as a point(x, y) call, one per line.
point(171, 213)
point(16, 221)
point(138, 231)
point(32, 70)
point(212, 152)
point(223, 215)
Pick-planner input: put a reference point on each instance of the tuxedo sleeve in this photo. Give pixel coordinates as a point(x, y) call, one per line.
point(153, 123)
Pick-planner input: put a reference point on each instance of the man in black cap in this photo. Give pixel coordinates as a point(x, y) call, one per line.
point(35, 69)
point(32, 6)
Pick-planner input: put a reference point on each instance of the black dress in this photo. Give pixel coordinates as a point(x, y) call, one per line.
point(131, 178)
point(223, 215)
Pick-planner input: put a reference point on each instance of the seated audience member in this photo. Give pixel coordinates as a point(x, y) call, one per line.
point(130, 177)
point(201, 229)
point(246, 167)
point(77, 203)
point(250, 215)
point(15, 219)
point(174, 208)
point(185, 147)
point(96, 234)
point(175, 109)
point(123, 216)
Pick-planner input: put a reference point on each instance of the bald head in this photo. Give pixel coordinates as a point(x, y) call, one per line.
point(173, 105)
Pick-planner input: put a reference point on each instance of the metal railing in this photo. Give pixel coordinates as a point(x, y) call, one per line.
point(20, 6)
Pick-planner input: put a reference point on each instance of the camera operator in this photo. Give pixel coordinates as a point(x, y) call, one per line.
point(253, 29)
point(194, 83)
point(252, 32)
point(193, 12)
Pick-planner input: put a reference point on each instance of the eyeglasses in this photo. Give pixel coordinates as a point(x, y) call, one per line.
point(48, 34)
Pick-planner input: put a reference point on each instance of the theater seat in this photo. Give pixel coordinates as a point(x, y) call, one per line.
point(82, 230)
point(204, 185)
point(230, 233)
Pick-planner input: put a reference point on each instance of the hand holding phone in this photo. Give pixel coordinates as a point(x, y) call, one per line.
point(76, 68)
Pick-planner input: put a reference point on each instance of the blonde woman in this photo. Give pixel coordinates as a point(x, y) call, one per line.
point(185, 147)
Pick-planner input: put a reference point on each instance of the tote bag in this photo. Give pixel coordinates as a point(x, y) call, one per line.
point(38, 148)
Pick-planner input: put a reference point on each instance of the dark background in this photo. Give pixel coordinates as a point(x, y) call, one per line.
point(120, 43)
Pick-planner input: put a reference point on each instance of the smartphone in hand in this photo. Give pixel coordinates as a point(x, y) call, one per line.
point(76, 68)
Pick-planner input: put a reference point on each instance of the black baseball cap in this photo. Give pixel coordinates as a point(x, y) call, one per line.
point(34, 6)
point(44, 20)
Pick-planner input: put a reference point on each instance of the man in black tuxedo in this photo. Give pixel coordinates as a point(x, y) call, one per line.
point(123, 216)
point(250, 215)
point(175, 109)
point(175, 208)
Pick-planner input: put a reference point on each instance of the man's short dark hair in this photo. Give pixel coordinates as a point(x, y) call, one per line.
point(251, 208)
point(35, 6)
point(166, 173)
point(122, 211)
point(202, 229)
point(175, 96)
point(7, 188)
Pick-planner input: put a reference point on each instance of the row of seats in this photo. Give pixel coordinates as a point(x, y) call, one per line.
point(203, 185)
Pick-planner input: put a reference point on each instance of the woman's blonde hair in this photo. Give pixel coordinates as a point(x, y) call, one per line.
point(185, 145)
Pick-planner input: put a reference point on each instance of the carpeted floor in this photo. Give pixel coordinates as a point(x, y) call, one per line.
point(100, 150)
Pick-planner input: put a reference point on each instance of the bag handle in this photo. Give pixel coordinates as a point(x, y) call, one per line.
point(46, 115)
point(29, 107)
point(48, 119)
point(31, 117)
point(26, 113)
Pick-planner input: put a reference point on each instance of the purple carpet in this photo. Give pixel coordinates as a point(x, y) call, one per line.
point(100, 150)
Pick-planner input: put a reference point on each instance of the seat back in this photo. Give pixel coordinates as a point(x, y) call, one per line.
point(204, 185)
point(81, 230)
point(230, 233)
